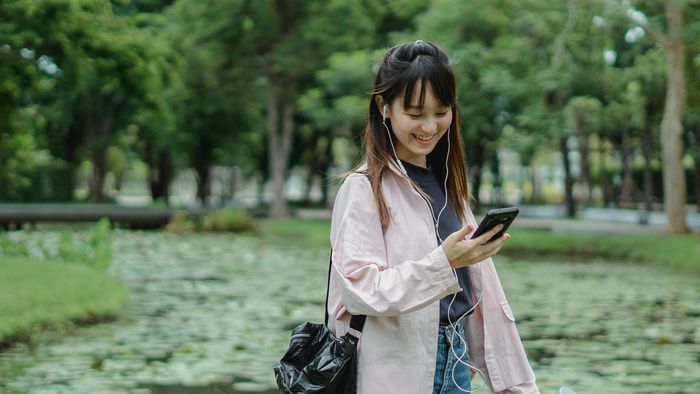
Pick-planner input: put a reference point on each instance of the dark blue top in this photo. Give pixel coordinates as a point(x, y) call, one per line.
point(449, 223)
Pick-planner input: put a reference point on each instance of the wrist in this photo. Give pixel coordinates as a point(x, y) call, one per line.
point(447, 256)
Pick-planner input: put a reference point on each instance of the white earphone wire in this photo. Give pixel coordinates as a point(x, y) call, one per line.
point(396, 157)
point(460, 358)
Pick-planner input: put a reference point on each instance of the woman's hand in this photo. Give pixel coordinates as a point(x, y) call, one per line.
point(462, 252)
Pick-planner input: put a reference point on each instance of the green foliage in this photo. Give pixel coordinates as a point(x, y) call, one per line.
point(100, 244)
point(37, 295)
point(182, 222)
point(45, 179)
point(94, 72)
point(191, 83)
point(17, 161)
point(229, 220)
point(224, 220)
point(93, 248)
point(11, 248)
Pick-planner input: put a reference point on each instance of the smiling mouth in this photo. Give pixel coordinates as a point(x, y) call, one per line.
point(423, 137)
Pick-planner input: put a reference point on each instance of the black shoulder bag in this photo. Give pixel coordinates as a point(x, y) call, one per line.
point(319, 362)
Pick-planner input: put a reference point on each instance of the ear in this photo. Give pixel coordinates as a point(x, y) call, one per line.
point(379, 100)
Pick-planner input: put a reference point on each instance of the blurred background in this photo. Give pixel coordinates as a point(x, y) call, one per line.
point(167, 170)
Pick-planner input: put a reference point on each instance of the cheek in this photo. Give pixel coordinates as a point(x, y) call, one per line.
point(405, 126)
point(445, 123)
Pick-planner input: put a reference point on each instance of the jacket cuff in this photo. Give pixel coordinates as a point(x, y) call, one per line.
point(446, 275)
point(523, 388)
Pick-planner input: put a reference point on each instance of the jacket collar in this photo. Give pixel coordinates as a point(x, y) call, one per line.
point(395, 168)
point(392, 166)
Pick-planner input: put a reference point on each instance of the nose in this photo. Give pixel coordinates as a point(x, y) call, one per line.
point(429, 126)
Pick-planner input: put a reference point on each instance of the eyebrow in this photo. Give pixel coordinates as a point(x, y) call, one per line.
point(421, 108)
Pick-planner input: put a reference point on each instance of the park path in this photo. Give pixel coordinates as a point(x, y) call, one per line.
point(589, 220)
point(212, 313)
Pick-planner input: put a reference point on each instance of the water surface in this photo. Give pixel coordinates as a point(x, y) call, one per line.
point(212, 313)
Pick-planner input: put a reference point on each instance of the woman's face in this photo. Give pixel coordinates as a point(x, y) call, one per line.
point(418, 129)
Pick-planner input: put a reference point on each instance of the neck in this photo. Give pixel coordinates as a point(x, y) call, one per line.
point(420, 161)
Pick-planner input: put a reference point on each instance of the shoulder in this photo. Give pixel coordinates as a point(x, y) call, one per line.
point(355, 185)
point(354, 205)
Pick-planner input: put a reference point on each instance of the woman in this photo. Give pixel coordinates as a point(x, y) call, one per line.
point(401, 249)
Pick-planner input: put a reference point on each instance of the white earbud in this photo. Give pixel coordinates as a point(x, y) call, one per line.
point(391, 141)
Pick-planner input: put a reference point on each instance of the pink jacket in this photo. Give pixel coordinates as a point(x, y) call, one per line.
point(396, 277)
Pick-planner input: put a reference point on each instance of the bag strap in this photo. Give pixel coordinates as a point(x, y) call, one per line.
point(357, 322)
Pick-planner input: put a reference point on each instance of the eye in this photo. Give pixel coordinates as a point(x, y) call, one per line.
point(415, 116)
point(441, 114)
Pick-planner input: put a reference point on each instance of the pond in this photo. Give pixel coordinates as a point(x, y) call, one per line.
point(212, 314)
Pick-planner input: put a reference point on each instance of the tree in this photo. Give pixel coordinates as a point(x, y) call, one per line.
point(582, 114)
point(672, 40)
point(101, 71)
point(20, 78)
point(335, 108)
point(217, 98)
point(151, 131)
point(477, 35)
point(301, 37)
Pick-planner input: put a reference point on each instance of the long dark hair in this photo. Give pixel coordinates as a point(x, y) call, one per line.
point(402, 67)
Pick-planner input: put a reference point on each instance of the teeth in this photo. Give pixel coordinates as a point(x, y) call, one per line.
point(422, 138)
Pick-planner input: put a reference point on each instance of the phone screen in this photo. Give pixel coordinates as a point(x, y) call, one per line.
point(494, 217)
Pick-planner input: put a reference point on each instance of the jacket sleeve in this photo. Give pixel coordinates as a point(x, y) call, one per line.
point(367, 284)
point(523, 388)
point(494, 343)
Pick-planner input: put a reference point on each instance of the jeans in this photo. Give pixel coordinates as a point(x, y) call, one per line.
point(447, 361)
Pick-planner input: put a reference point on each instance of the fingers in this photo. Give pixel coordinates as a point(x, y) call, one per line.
point(490, 249)
point(483, 238)
point(462, 232)
point(466, 230)
point(462, 252)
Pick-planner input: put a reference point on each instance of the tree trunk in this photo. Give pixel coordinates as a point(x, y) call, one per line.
point(477, 164)
point(696, 170)
point(497, 186)
point(603, 174)
point(626, 194)
point(647, 149)
point(280, 142)
point(203, 183)
point(260, 186)
point(71, 144)
point(99, 166)
point(671, 126)
point(314, 163)
point(557, 101)
point(568, 178)
point(101, 130)
point(202, 163)
point(118, 180)
point(160, 175)
point(535, 196)
point(325, 179)
point(585, 166)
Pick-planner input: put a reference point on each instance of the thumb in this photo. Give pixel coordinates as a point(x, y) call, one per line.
point(463, 232)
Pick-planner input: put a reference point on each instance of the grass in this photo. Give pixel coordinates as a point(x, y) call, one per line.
point(308, 232)
point(677, 252)
point(37, 295)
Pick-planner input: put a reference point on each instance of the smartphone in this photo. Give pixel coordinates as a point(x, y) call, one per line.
point(494, 217)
